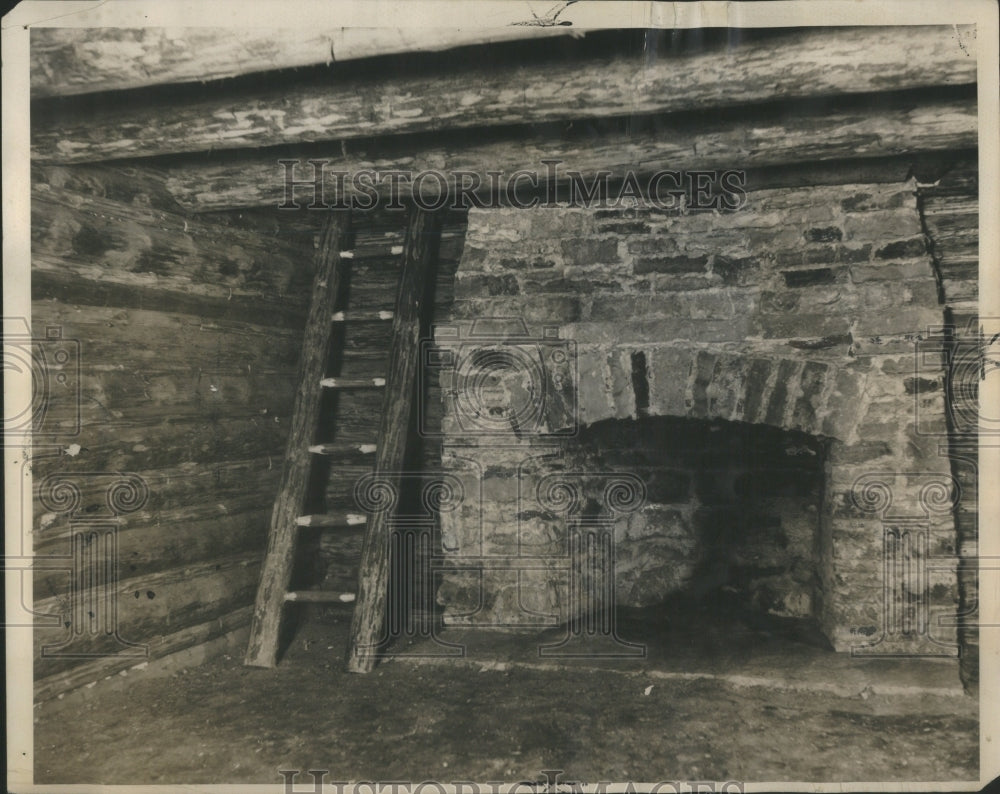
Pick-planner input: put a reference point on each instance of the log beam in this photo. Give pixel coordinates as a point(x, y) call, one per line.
point(182, 597)
point(78, 60)
point(812, 64)
point(128, 184)
point(161, 646)
point(744, 141)
point(96, 240)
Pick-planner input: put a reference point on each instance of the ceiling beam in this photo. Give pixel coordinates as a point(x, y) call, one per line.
point(78, 60)
point(811, 64)
point(734, 140)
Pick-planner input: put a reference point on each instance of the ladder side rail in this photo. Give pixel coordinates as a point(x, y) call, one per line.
point(419, 251)
point(262, 647)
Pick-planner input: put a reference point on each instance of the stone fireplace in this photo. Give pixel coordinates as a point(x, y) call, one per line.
point(746, 401)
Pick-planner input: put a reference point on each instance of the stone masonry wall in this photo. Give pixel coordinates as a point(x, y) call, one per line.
point(809, 309)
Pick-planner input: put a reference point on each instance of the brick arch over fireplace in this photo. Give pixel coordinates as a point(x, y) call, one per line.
point(806, 310)
point(790, 393)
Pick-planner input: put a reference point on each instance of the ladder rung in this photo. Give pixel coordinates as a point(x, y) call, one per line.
point(339, 519)
point(352, 383)
point(319, 596)
point(340, 452)
point(361, 315)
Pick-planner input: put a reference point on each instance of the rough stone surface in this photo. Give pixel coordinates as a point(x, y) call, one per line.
point(799, 311)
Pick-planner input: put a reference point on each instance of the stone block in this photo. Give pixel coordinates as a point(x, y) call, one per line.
point(849, 548)
point(625, 227)
point(622, 394)
point(921, 291)
point(594, 390)
point(512, 223)
point(819, 343)
point(778, 402)
point(473, 256)
point(660, 330)
point(828, 253)
point(893, 273)
point(677, 282)
point(922, 385)
point(624, 213)
point(480, 286)
point(670, 370)
point(695, 224)
point(704, 367)
point(754, 388)
point(649, 570)
point(727, 386)
point(528, 603)
point(903, 249)
point(821, 298)
point(671, 264)
point(899, 365)
point(769, 243)
point(911, 323)
point(623, 308)
point(795, 326)
point(696, 305)
point(518, 258)
point(590, 251)
point(823, 234)
point(737, 270)
point(579, 286)
point(659, 521)
point(656, 245)
point(462, 594)
point(876, 225)
point(878, 197)
point(504, 484)
point(535, 309)
point(812, 382)
point(538, 536)
point(809, 278)
point(864, 451)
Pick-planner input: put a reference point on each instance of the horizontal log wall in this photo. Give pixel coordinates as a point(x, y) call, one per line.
point(80, 60)
point(188, 335)
point(850, 128)
point(331, 107)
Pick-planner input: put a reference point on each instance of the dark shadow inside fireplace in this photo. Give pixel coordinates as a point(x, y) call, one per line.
point(726, 545)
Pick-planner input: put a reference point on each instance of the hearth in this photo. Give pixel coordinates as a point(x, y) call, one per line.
point(721, 404)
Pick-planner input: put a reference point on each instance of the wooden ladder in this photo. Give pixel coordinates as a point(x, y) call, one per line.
point(398, 381)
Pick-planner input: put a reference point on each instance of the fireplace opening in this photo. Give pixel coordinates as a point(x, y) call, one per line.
point(728, 536)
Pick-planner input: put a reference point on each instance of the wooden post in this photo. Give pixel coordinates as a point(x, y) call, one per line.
point(373, 576)
point(262, 648)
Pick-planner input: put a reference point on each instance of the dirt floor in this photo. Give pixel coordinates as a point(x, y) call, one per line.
point(733, 702)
